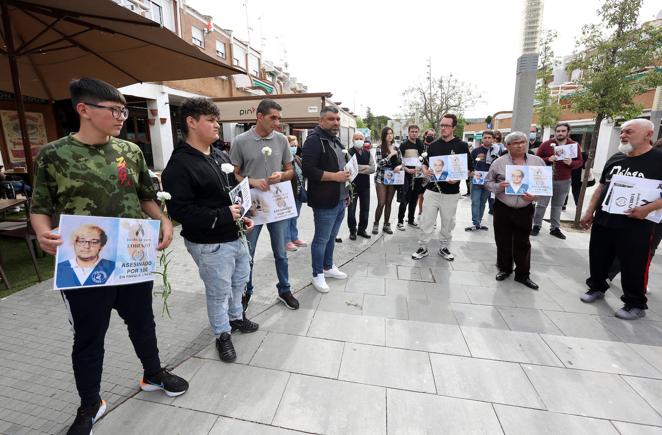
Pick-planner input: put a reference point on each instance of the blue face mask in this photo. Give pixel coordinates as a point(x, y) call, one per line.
point(293, 150)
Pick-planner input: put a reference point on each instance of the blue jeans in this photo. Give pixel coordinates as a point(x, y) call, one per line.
point(292, 230)
point(277, 234)
point(327, 225)
point(479, 196)
point(224, 268)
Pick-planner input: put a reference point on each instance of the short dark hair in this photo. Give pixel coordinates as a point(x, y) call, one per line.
point(195, 108)
point(89, 90)
point(452, 117)
point(266, 105)
point(562, 124)
point(488, 132)
point(327, 109)
point(412, 126)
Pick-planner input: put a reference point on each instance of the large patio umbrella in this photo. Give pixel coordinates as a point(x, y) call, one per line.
point(49, 42)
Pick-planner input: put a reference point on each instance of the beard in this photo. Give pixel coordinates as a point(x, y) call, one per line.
point(625, 148)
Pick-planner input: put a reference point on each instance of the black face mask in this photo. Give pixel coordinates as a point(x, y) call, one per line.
point(429, 138)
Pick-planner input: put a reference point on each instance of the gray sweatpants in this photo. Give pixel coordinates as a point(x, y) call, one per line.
point(561, 189)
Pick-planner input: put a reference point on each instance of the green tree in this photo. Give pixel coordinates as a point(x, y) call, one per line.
point(428, 101)
point(546, 108)
point(614, 69)
point(360, 123)
point(375, 124)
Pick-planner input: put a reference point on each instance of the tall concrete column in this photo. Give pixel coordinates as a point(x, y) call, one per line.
point(527, 66)
point(160, 134)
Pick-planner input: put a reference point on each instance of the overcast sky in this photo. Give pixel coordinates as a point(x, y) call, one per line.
point(367, 53)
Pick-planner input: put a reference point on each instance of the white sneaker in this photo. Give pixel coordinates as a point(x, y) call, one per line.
point(320, 283)
point(334, 272)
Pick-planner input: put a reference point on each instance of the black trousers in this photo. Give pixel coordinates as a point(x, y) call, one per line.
point(362, 196)
point(89, 310)
point(512, 227)
point(631, 246)
point(409, 198)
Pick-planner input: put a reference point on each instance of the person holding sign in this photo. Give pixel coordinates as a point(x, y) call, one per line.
point(92, 173)
point(87, 268)
point(513, 214)
point(323, 166)
point(561, 180)
point(199, 179)
point(387, 158)
point(516, 182)
point(479, 193)
point(411, 150)
point(361, 188)
point(262, 170)
point(626, 237)
point(441, 196)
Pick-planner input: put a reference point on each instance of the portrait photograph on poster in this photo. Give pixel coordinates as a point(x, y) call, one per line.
point(479, 177)
point(394, 178)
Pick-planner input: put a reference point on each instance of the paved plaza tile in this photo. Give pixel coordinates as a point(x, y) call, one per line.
point(402, 347)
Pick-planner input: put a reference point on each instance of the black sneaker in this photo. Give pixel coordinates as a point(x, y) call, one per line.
point(85, 418)
point(556, 232)
point(244, 325)
point(400, 226)
point(338, 240)
point(482, 227)
point(420, 253)
point(289, 300)
point(352, 235)
point(225, 348)
point(446, 254)
point(412, 224)
point(171, 384)
point(471, 228)
point(535, 230)
point(363, 234)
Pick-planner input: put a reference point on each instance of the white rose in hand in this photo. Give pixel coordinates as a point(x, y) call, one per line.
point(163, 196)
point(266, 151)
point(227, 168)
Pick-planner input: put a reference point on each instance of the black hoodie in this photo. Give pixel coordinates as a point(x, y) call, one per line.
point(199, 190)
point(442, 148)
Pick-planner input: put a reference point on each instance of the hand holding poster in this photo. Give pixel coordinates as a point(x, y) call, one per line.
point(479, 177)
point(394, 178)
point(276, 204)
point(563, 152)
point(101, 251)
point(241, 194)
point(353, 167)
point(632, 189)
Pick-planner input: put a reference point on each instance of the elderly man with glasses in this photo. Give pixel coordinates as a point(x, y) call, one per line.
point(513, 214)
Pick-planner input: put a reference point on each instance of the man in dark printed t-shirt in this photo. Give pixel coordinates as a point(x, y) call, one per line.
point(626, 237)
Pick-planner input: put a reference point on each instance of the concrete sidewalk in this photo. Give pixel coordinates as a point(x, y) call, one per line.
point(402, 346)
point(429, 346)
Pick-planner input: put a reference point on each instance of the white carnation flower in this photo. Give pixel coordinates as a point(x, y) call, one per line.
point(424, 155)
point(421, 158)
point(163, 196)
point(344, 151)
point(227, 168)
point(266, 151)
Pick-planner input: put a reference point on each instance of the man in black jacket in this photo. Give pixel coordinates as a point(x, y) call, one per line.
point(441, 197)
point(411, 150)
point(199, 178)
point(361, 187)
point(324, 160)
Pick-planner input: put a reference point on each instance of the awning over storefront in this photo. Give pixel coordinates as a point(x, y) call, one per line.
point(298, 109)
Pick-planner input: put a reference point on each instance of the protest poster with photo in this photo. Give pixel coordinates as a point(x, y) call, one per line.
point(457, 167)
point(479, 178)
point(394, 178)
point(518, 179)
point(563, 152)
point(241, 194)
point(353, 167)
point(276, 204)
point(438, 167)
point(540, 180)
point(101, 251)
point(625, 191)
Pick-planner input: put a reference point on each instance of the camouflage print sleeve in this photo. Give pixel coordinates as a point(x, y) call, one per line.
point(45, 187)
point(145, 188)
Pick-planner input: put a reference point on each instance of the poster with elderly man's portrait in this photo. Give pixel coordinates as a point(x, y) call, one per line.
point(100, 251)
point(518, 180)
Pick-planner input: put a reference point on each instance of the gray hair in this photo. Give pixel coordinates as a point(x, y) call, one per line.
point(642, 122)
point(327, 109)
point(515, 136)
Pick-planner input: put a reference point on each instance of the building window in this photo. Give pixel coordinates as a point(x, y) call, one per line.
point(157, 13)
point(220, 49)
point(239, 56)
point(253, 65)
point(197, 36)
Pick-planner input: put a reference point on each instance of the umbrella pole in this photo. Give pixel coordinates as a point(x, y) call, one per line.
point(18, 95)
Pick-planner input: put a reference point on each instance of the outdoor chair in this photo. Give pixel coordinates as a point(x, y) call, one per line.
point(22, 229)
point(3, 275)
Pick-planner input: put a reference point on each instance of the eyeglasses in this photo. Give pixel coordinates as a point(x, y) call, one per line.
point(93, 242)
point(116, 111)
